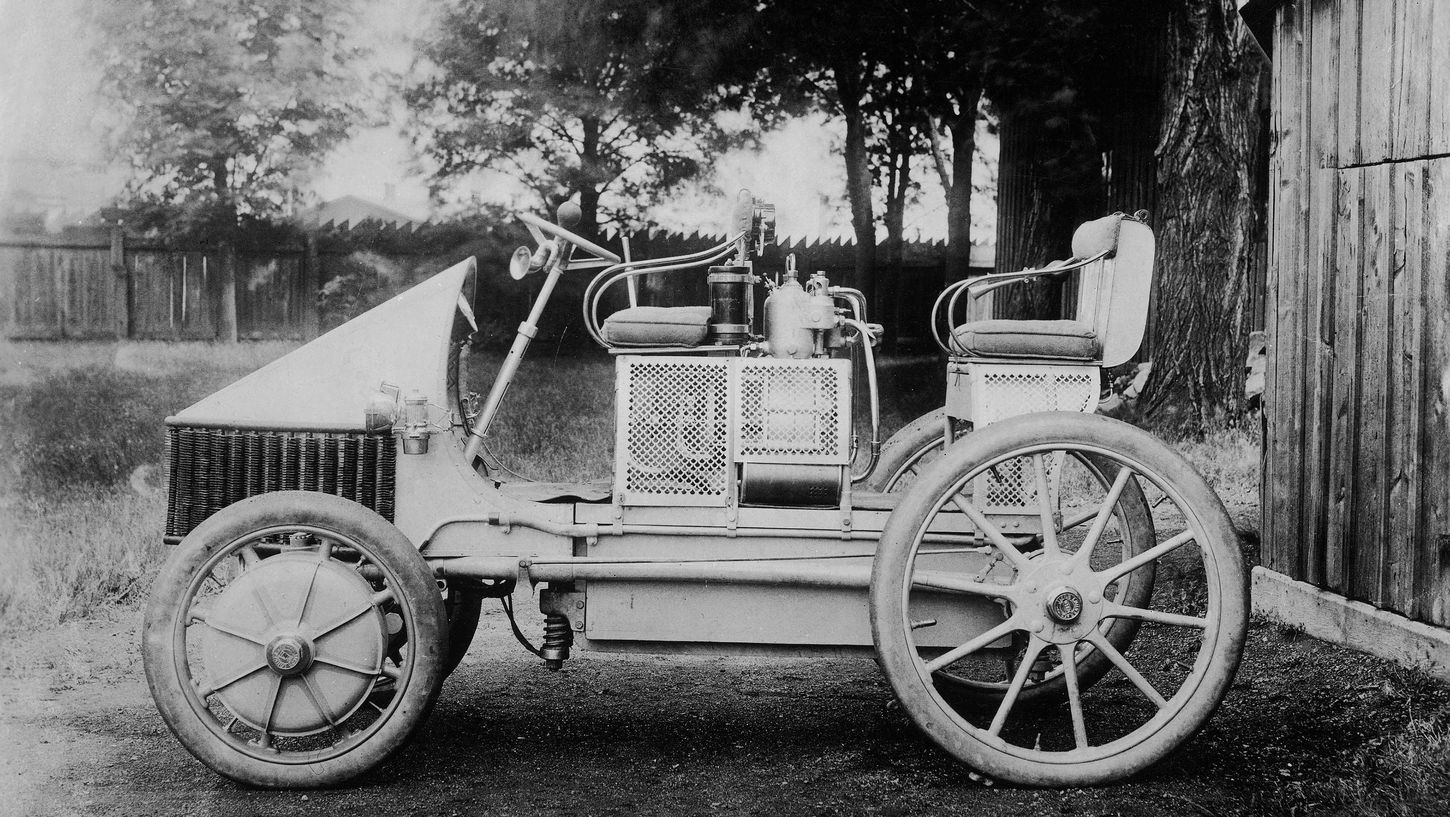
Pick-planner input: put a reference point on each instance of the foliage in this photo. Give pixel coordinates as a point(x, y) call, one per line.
point(616, 101)
point(222, 108)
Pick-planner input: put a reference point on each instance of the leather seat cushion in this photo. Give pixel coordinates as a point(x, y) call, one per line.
point(657, 326)
point(1068, 340)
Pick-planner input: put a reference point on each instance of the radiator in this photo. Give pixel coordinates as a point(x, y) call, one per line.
point(213, 467)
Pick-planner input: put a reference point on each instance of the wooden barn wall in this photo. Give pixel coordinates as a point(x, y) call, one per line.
point(1356, 472)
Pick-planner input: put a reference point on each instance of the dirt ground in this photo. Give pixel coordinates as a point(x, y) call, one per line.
point(667, 735)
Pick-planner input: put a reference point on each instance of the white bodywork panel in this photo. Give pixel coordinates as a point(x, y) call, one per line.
point(326, 383)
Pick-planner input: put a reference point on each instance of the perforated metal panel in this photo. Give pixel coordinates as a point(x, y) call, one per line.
point(793, 411)
point(1007, 391)
point(683, 422)
point(673, 445)
point(997, 391)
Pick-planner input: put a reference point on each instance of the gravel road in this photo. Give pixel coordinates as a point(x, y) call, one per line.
point(666, 735)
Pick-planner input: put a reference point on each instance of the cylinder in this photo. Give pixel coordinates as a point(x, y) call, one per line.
point(731, 305)
point(786, 331)
point(786, 484)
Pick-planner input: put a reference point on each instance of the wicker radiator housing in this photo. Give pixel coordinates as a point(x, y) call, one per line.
point(213, 467)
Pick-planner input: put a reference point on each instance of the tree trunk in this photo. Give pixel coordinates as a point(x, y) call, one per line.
point(1208, 219)
point(858, 180)
point(589, 209)
point(898, 184)
point(589, 178)
point(959, 192)
point(1038, 208)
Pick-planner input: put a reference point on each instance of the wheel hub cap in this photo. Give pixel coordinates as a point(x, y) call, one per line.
point(1065, 605)
point(289, 655)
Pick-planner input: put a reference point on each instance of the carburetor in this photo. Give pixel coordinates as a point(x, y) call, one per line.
point(801, 321)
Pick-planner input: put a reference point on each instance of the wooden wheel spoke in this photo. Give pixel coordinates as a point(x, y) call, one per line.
point(227, 629)
point(941, 580)
point(1074, 698)
point(350, 667)
point(265, 740)
point(315, 695)
point(1104, 515)
point(1148, 556)
point(958, 653)
point(306, 596)
point(249, 556)
point(985, 525)
point(210, 688)
point(1009, 698)
point(264, 604)
point(1155, 616)
point(1044, 506)
point(342, 620)
point(1120, 661)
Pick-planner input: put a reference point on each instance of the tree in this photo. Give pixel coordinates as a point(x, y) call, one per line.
point(1211, 152)
point(947, 55)
point(223, 108)
point(839, 60)
point(615, 101)
point(1154, 105)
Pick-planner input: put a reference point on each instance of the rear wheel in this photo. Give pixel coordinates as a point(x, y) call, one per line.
point(1055, 603)
point(986, 678)
point(294, 639)
point(911, 449)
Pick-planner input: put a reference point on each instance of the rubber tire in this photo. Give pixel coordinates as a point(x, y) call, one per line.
point(417, 593)
point(463, 610)
point(1223, 565)
point(902, 446)
point(901, 450)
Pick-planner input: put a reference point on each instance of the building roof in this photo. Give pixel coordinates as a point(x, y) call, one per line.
point(356, 209)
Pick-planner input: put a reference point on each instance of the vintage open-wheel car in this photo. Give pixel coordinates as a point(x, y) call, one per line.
point(1055, 597)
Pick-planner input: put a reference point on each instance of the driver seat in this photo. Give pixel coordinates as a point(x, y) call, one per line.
point(644, 326)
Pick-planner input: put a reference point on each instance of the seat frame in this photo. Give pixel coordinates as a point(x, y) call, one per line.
point(1114, 286)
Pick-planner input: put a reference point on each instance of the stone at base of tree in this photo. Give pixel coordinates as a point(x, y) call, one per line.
point(1331, 617)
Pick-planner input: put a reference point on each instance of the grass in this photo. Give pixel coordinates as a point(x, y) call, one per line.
point(80, 466)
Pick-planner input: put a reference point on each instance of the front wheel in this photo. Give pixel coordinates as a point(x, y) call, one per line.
point(1056, 600)
point(294, 639)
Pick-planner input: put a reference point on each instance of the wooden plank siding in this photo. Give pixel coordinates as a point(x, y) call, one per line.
point(1356, 471)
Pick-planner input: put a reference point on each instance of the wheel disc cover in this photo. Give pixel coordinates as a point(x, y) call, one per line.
point(295, 640)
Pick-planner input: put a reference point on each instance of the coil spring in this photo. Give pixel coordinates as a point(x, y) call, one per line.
point(557, 639)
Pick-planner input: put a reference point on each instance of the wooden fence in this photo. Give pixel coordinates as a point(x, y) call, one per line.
point(97, 284)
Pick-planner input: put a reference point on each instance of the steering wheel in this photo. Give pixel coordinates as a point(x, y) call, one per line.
point(568, 215)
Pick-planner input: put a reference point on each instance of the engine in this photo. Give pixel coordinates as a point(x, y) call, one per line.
point(767, 421)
